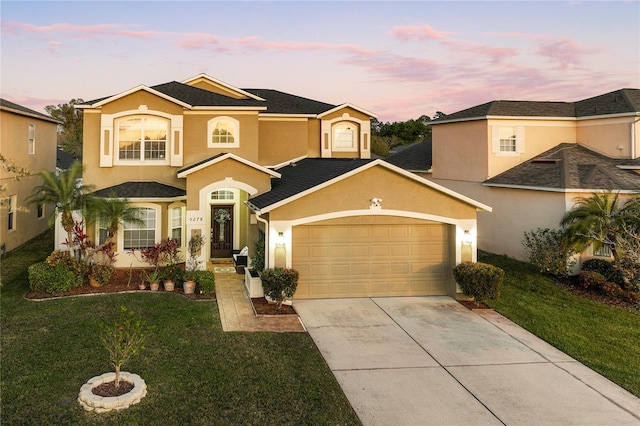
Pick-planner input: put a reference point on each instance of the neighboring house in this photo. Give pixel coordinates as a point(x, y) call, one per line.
point(204, 157)
point(28, 140)
point(63, 160)
point(530, 160)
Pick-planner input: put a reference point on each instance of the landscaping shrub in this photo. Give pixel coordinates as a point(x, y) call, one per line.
point(205, 282)
point(548, 251)
point(173, 272)
point(606, 268)
point(279, 284)
point(44, 278)
point(63, 258)
point(591, 280)
point(479, 280)
point(258, 255)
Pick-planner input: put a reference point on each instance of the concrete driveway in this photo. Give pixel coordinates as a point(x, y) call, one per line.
point(431, 361)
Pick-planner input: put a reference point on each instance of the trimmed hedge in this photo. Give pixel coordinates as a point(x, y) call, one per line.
point(44, 278)
point(279, 284)
point(479, 280)
point(205, 282)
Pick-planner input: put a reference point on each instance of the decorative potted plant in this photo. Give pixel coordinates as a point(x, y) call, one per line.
point(154, 280)
point(193, 263)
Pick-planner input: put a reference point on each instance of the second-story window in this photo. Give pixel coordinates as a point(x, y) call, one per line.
point(345, 137)
point(31, 141)
point(507, 139)
point(223, 133)
point(142, 138)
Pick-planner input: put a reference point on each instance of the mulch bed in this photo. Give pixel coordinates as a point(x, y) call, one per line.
point(263, 307)
point(109, 389)
point(572, 286)
point(120, 282)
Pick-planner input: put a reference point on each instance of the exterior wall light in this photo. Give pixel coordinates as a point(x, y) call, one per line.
point(280, 239)
point(467, 238)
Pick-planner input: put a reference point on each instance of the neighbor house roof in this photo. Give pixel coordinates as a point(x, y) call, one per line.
point(623, 101)
point(64, 159)
point(6, 105)
point(571, 166)
point(148, 189)
point(416, 157)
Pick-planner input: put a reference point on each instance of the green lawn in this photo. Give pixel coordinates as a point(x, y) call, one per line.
point(605, 338)
point(195, 373)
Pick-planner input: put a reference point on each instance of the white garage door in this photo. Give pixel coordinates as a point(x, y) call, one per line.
point(371, 260)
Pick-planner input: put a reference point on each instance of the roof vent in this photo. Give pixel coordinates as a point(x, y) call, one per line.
point(546, 160)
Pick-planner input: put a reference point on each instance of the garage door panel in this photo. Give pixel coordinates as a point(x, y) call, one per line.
point(370, 260)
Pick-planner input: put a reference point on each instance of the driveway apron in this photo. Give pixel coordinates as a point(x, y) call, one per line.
point(431, 361)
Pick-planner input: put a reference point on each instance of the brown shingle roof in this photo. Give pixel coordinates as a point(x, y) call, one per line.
point(570, 166)
point(617, 102)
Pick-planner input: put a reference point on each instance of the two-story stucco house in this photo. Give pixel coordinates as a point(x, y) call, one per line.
point(530, 160)
point(204, 157)
point(28, 140)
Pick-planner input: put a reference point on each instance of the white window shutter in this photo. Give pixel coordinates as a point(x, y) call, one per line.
point(520, 139)
point(495, 139)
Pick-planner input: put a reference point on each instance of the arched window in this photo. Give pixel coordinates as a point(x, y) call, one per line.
point(345, 137)
point(142, 138)
point(223, 132)
point(222, 194)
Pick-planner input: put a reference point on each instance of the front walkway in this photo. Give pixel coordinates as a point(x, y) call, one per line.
point(236, 311)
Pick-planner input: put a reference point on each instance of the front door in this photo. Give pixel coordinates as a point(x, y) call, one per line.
point(221, 231)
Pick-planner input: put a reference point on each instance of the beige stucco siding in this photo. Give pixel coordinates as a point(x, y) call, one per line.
point(282, 139)
point(514, 212)
point(141, 97)
point(211, 86)
point(460, 151)
point(196, 137)
point(397, 192)
point(538, 136)
point(14, 134)
point(611, 137)
point(354, 113)
point(219, 172)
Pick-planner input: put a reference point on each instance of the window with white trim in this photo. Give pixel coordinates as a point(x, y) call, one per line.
point(222, 194)
point(602, 251)
point(507, 139)
point(223, 132)
point(102, 232)
point(31, 142)
point(142, 138)
point(176, 223)
point(141, 235)
point(12, 202)
point(345, 137)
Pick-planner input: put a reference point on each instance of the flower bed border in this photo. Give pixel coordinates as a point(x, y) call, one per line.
point(100, 404)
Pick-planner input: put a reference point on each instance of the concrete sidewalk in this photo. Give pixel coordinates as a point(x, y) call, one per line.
point(430, 360)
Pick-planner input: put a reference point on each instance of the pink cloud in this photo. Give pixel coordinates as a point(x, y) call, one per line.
point(563, 51)
point(54, 47)
point(418, 32)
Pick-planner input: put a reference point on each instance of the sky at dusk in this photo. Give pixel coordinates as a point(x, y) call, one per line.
point(399, 60)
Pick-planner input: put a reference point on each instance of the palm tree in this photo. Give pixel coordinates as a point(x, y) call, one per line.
point(600, 220)
point(112, 212)
point(65, 191)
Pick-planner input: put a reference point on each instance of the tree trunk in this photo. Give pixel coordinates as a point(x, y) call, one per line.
point(117, 381)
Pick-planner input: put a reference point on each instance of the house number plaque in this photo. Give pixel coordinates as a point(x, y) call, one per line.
point(195, 217)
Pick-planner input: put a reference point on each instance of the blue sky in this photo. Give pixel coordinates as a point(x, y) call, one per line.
point(399, 60)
